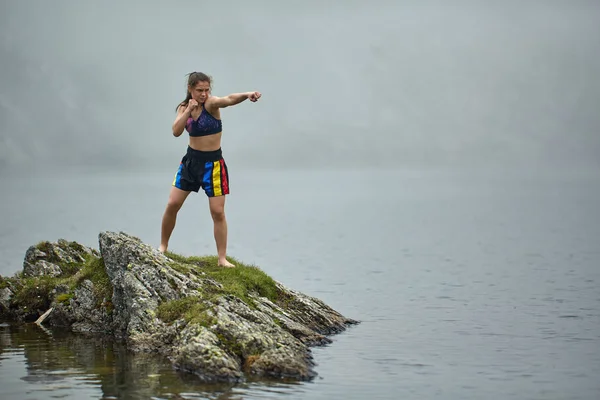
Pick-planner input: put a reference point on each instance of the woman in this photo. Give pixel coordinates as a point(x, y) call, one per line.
point(203, 165)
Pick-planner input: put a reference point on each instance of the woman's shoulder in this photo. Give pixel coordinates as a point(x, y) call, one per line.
point(209, 106)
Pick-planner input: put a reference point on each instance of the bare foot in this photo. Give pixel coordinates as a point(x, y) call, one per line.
point(162, 248)
point(225, 264)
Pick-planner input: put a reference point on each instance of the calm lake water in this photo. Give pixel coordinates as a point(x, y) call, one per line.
point(468, 285)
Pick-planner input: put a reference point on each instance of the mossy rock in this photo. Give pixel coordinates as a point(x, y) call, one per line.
point(34, 295)
point(211, 321)
point(240, 282)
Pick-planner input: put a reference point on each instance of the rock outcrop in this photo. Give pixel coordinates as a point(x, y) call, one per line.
point(221, 324)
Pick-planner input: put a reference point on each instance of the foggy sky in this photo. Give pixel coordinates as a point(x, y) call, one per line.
point(344, 83)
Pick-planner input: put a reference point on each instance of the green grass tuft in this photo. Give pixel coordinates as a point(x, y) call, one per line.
point(68, 269)
point(34, 294)
point(46, 247)
point(188, 262)
point(94, 270)
point(192, 309)
point(76, 247)
point(239, 281)
point(64, 298)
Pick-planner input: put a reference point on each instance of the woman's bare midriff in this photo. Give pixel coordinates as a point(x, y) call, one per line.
point(206, 143)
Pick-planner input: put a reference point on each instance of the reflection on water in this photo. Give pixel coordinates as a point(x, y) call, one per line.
point(43, 364)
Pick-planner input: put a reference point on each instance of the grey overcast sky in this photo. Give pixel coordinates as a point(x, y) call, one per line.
point(344, 83)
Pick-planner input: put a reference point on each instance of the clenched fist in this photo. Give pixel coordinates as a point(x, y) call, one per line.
point(192, 104)
point(254, 96)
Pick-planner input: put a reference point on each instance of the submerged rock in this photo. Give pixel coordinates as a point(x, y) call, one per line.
point(218, 323)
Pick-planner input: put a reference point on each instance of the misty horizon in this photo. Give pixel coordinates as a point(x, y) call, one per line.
point(349, 85)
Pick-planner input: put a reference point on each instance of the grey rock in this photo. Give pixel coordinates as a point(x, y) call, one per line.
point(46, 258)
point(287, 321)
point(41, 268)
point(254, 335)
point(141, 280)
point(199, 351)
point(5, 297)
point(88, 315)
point(224, 339)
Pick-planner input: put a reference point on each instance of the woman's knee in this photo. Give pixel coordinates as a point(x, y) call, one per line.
point(217, 212)
point(176, 199)
point(217, 208)
point(174, 204)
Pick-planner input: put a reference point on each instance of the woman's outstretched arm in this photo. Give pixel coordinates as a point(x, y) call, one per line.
point(232, 99)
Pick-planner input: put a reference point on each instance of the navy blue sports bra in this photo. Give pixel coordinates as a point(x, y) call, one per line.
point(205, 125)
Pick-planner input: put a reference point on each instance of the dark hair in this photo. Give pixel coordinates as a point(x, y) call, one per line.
point(193, 79)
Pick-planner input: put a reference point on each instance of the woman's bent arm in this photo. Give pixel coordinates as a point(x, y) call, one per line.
point(182, 116)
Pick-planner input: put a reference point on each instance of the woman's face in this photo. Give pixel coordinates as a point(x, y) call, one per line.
point(200, 91)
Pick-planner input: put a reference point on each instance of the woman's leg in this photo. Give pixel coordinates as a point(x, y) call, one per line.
point(217, 211)
point(176, 199)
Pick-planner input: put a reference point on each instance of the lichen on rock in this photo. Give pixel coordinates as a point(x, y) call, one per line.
point(221, 324)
